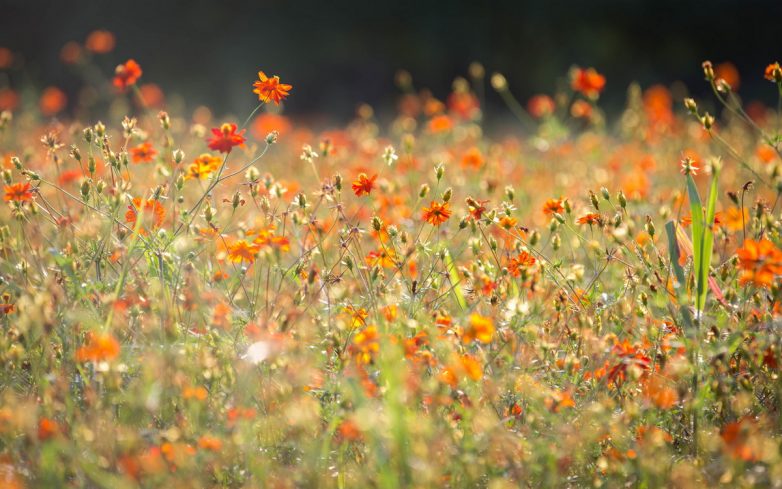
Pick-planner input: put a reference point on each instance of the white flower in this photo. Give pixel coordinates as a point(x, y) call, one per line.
point(389, 155)
point(257, 352)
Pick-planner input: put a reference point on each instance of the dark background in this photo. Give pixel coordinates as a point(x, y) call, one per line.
point(338, 54)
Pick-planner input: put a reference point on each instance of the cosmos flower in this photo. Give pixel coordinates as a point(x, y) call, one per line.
point(127, 74)
point(363, 185)
point(225, 138)
point(269, 89)
point(436, 213)
point(18, 192)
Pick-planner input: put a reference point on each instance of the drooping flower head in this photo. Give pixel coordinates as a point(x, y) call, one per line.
point(269, 89)
point(127, 74)
point(225, 138)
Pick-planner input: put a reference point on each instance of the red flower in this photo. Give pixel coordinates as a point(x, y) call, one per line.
point(270, 89)
point(363, 185)
point(127, 74)
point(18, 192)
point(225, 138)
point(589, 82)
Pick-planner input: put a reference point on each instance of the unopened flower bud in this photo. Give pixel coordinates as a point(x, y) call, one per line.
point(178, 155)
point(447, 194)
point(423, 191)
point(272, 137)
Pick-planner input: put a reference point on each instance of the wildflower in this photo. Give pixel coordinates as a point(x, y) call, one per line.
point(100, 347)
point(127, 74)
point(590, 218)
point(270, 89)
point(389, 155)
point(520, 263)
point(363, 185)
point(308, 154)
point(365, 344)
point(203, 166)
point(143, 153)
point(475, 207)
point(587, 81)
point(384, 258)
point(480, 328)
point(100, 42)
point(759, 261)
point(553, 206)
point(472, 158)
point(53, 101)
point(210, 443)
point(541, 106)
point(47, 429)
point(441, 123)
point(257, 352)
point(148, 207)
point(559, 400)
point(225, 138)
point(18, 192)
point(773, 72)
point(436, 213)
point(241, 250)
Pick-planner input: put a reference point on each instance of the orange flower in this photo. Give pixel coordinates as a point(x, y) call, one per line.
point(241, 250)
point(541, 106)
point(520, 263)
point(270, 89)
point(363, 185)
point(381, 258)
point(441, 123)
point(476, 207)
point(481, 328)
point(147, 207)
point(760, 261)
point(727, 71)
point(127, 74)
point(590, 218)
point(436, 213)
point(53, 101)
point(143, 153)
point(553, 206)
point(210, 443)
point(365, 344)
point(581, 109)
point(472, 158)
point(589, 82)
point(100, 41)
point(773, 72)
point(203, 166)
point(18, 192)
point(736, 219)
point(559, 400)
point(100, 347)
point(47, 429)
point(225, 138)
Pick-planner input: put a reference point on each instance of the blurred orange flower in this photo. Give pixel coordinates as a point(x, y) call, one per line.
point(143, 153)
point(587, 81)
point(100, 41)
point(127, 74)
point(100, 347)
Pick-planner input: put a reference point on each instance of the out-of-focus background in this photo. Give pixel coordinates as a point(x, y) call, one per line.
point(338, 54)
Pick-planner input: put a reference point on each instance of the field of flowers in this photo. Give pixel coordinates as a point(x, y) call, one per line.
point(199, 301)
